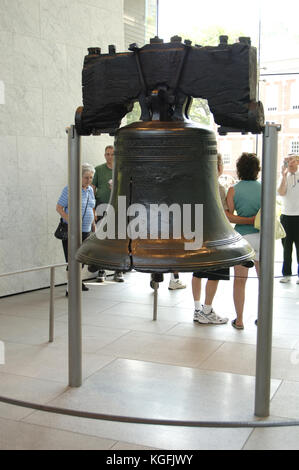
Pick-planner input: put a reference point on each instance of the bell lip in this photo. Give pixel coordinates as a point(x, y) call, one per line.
point(84, 259)
point(148, 268)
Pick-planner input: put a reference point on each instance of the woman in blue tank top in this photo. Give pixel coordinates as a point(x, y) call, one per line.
point(245, 198)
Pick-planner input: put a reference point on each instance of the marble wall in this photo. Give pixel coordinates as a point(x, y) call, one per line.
point(42, 47)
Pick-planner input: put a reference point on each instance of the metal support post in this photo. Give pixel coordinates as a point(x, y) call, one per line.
point(74, 268)
point(155, 311)
point(267, 244)
point(51, 312)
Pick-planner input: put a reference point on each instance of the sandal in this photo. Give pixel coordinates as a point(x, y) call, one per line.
point(237, 326)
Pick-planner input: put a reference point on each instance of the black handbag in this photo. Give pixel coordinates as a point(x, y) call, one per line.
point(61, 231)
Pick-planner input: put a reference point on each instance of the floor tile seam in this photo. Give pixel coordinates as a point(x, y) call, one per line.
point(20, 315)
point(62, 427)
point(172, 364)
point(158, 362)
point(139, 302)
point(41, 379)
point(228, 371)
point(37, 345)
point(159, 306)
point(112, 327)
point(131, 330)
point(115, 304)
point(26, 317)
point(52, 428)
point(171, 328)
point(248, 438)
point(103, 367)
point(201, 363)
point(128, 332)
point(40, 345)
point(158, 335)
point(134, 443)
point(11, 419)
point(273, 377)
point(225, 371)
point(193, 336)
point(274, 348)
point(273, 418)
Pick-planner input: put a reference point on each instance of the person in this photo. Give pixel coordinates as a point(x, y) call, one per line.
point(204, 313)
point(87, 208)
point(102, 185)
point(174, 282)
point(245, 198)
point(289, 192)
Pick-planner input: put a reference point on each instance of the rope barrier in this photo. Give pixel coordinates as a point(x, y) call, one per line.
point(149, 421)
point(242, 277)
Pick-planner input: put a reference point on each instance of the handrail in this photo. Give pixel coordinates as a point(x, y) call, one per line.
point(151, 421)
point(37, 268)
point(52, 268)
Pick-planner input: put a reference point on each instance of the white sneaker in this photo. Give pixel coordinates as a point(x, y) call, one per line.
point(215, 319)
point(176, 284)
point(200, 317)
point(210, 318)
point(118, 276)
point(285, 279)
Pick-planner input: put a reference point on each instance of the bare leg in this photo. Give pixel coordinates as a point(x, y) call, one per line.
point(241, 274)
point(211, 288)
point(257, 268)
point(196, 288)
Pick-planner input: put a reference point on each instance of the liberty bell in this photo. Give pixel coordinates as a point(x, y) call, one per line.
point(165, 213)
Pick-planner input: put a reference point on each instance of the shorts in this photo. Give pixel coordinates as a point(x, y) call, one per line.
point(213, 275)
point(254, 240)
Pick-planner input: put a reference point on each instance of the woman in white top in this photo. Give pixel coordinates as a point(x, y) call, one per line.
point(289, 192)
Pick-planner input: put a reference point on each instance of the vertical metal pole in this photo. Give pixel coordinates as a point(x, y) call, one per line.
point(74, 268)
point(51, 312)
point(157, 18)
point(156, 286)
point(265, 306)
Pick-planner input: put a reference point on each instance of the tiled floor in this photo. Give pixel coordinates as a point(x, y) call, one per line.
point(171, 368)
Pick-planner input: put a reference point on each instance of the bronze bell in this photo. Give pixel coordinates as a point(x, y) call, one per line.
point(165, 167)
point(170, 164)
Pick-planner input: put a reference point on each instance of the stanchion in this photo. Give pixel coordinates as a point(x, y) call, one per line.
point(74, 268)
point(267, 245)
point(51, 309)
point(155, 305)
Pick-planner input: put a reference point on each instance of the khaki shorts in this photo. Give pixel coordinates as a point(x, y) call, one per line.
point(254, 240)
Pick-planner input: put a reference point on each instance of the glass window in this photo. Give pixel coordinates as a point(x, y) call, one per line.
point(294, 148)
point(294, 92)
point(225, 148)
point(271, 97)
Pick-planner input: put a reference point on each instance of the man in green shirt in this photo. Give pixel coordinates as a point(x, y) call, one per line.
point(102, 185)
point(102, 180)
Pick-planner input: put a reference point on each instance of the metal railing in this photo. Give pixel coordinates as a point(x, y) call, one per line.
point(52, 268)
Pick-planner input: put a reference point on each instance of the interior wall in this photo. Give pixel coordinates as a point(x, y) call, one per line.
point(42, 47)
